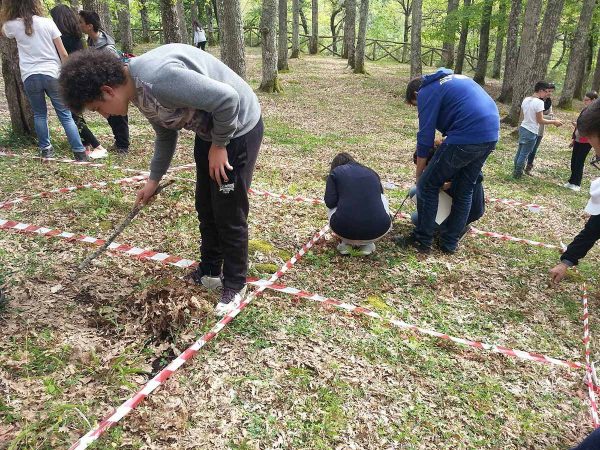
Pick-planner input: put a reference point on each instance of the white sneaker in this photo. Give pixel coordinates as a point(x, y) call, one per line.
point(344, 248)
point(209, 282)
point(366, 249)
point(575, 188)
point(230, 300)
point(98, 152)
point(567, 185)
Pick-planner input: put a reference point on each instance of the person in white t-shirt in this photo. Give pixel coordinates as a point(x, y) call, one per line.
point(199, 35)
point(532, 109)
point(40, 54)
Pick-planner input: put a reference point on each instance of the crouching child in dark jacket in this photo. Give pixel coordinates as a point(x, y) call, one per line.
point(359, 212)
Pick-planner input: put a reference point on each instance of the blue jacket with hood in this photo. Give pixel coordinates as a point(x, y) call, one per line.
point(456, 106)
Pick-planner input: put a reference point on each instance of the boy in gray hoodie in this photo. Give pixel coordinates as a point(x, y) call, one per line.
point(89, 22)
point(178, 87)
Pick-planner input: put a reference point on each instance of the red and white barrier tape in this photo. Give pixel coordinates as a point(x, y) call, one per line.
point(10, 203)
point(188, 354)
point(505, 237)
point(588, 365)
point(186, 263)
point(533, 207)
point(401, 324)
point(129, 250)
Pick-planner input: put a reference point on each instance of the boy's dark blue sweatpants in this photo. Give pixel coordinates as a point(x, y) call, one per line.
point(223, 210)
point(592, 442)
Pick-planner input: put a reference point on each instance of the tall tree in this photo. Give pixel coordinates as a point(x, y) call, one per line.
point(333, 26)
point(170, 24)
point(314, 38)
point(450, 27)
point(21, 115)
point(350, 31)
point(577, 57)
point(416, 64)
point(500, 35)
point(282, 50)
point(462, 41)
point(295, 29)
point(145, 23)
point(546, 38)
point(182, 22)
point(194, 13)
point(484, 42)
point(512, 51)
point(582, 77)
point(522, 79)
point(406, 7)
point(125, 26)
point(359, 56)
point(210, 30)
point(596, 79)
point(232, 36)
point(268, 38)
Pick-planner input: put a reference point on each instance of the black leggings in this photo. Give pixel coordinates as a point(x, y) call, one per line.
point(223, 210)
point(580, 152)
point(201, 45)
point(87, 137)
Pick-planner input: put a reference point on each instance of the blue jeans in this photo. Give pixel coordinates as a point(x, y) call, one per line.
point(36, 88)
point(461, 164)
point(527, 141)
point(531, 157)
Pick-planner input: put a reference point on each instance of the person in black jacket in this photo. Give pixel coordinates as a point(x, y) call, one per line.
point(359, 213)
point(68, 25)
point(588, 125)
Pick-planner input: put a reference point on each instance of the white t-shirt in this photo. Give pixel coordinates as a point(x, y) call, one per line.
point(199, 35)
point(530, 107)
point(37, 53)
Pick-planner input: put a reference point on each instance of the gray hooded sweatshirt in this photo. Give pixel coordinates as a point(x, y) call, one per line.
point(182, 87)
point(104, 42)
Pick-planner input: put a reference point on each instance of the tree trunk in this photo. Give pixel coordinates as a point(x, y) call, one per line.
point(350, 31)
point(125, 27)
point(21, 115)
point(295, 29)
point(512, 52)
point(210, 31)
point(303, 20)
point(194, 14)
point(314, 38)
point(145, 25)
point(522, 80)
point(170, 25)
point(546, 38)
point(416, 65)
point(268, 39)
point(596, 79)
point(406, 12)
point(334, 28)
point(232, 36)
point(450, 27)
point(185, 37)
point(462, 41)
point(576, 59)
point(282, 50)
point(359, 56)
point(500, 35)
point(585, 69)
point(217, 13)
point(484, 42)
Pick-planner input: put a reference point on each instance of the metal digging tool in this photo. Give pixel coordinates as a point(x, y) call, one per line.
point(134, 212)
point(401, 205)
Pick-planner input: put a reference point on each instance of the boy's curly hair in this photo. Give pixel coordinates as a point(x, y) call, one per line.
point(85, 72)
point(588, 122)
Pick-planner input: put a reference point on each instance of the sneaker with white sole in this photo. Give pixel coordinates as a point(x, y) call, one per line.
point(366, 249)
point(47, 152)
point(98, 152)
point(575, 188)
point(210, 282)
point(230, 300)
point(344, 248)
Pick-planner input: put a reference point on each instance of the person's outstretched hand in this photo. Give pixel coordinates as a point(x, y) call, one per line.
point(558, 272)
point(557, 123)
point(217, 163)
point(144, 195)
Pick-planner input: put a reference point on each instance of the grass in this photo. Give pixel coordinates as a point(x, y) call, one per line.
point(288, 373)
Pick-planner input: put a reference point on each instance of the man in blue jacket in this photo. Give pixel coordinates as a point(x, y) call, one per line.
point(468, 119)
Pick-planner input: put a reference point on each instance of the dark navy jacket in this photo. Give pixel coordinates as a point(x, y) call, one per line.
point(456, 106)
point(355, 190)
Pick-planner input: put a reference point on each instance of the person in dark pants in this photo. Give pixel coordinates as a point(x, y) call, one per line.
point(67, 22)
point(89, 23)
point(592, 442)
point(216, 104)
point(588, 125)
point(468, 118)
point(581, 149)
